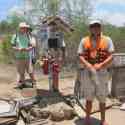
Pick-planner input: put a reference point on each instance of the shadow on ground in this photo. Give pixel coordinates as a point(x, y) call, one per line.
point(94, 121)
point(47, 97)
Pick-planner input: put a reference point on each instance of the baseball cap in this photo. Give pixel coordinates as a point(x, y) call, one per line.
point(94, 22)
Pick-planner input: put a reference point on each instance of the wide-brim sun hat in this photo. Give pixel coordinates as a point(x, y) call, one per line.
point(24, 24)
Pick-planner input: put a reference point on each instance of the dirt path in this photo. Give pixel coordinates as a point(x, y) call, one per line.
point(8, 81)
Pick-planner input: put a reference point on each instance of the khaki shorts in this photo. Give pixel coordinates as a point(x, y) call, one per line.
point(94, 85)
point(24, 66)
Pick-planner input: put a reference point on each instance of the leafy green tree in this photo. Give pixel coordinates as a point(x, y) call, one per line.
point(14, 21)
point(6, 48)
point(4, 27)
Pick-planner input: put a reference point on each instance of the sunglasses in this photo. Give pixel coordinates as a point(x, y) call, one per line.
point(95, 25)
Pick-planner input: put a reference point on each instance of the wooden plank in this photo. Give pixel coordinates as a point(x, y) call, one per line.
point(4, 121)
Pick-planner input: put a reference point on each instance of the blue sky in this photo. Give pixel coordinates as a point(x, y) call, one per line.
point(111, 7)
point(6, 5)
point(112, 11)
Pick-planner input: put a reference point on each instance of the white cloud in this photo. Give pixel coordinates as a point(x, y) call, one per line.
point(110, 1)
point(117, 18)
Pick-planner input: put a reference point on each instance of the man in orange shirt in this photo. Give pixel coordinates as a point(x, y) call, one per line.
point(95, 53)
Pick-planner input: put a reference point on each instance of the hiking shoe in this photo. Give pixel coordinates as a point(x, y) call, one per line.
point(34, 84)
point(20, 85)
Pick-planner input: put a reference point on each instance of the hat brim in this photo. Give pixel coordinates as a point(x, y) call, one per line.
point(94, 24)
point(23, 25)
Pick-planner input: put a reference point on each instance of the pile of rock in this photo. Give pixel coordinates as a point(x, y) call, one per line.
point(54, 112)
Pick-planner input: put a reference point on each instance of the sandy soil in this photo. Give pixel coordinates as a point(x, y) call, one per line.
point(8, 78)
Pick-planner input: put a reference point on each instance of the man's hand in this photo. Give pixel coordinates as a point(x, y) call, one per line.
point(98, 66)
point(91, 67)
point(28, 49)
point(21, 49)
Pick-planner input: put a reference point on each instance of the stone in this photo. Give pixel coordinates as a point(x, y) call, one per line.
point(40, 113)
point(45, 114)
point(68, 114)
point(61, 111)
point(57, 115)
point(55, 112)
point(79, 111)
point(35, 112)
